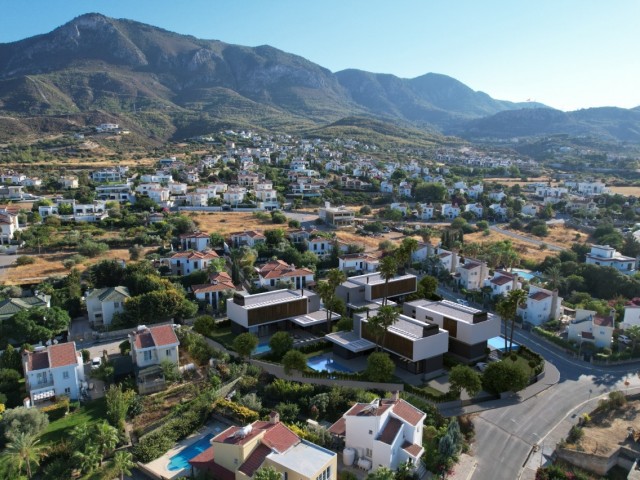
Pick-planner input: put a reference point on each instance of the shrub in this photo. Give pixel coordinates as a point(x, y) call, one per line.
point(89, 248)
point(204, 325)
point(25, 260)
point(125, 348)
point(575, 434)
point(86, 355)
point(280, 343)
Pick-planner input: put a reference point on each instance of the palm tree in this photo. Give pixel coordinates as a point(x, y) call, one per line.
point(386, 316)
point(408, 246)
point(105, 437)
point(388, 270)
point(327, 292)
point(122, 463)
point(24, 450)
point(87, 460)
point(507, 308)
point(554, 276)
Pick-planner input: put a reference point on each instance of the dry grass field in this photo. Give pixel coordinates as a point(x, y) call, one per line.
point(50, 264)
point(626, 190)
point(224, 223)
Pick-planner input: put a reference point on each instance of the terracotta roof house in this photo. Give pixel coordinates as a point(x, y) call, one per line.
point(220, 287)
point(198, 241)
point(53, 371)
point(248, 237)
point(238, 452)
point(275, 273)
point(385, 432)
point(184, 263)
point(150, 346)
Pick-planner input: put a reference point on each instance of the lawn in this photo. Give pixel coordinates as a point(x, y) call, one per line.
point(523, 362)
point(88, 414)
point(223, 336)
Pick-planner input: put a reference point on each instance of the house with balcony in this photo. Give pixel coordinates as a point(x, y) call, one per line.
point(475, 208)
point(238, 452)
point(103, 303)
point(53, 371)
point(384, 433)
point(198, 241)
point(78, 212)
point(426, 211)
point(106, 175)
point(502, 282)
point(299, 236)
point(471, 274)
point(468, 328)
point(450, 211)
point(219, 288)
point(321, 246)
point(9, 225)
point(120, 193)
point(607, 256)
point(234, 195)
point(278, 274)
point(370, 289)
point(249, 238)
point(184, 263)
point(542, 305)
point(68, 182)
point(265, 313)
point(336, 216)
point(358, 262)
point(150, 346)
point(590, 326)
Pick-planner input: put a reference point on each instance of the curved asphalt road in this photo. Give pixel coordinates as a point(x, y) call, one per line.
point(505, 436)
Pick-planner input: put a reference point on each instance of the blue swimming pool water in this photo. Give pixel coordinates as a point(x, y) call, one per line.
point(524, 274)
point(497, 343)
point(181, 460)
point(262, 348)
point(323, 362)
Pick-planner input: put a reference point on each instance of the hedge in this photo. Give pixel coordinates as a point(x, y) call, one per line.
point(445, 397)
point(555, 339)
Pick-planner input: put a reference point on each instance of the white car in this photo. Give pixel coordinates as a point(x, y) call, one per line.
point(482, 366)
point(462, 301)
point(95, 363)
point(624, 339)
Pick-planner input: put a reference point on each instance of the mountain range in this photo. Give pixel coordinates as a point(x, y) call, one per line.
point(170, 86)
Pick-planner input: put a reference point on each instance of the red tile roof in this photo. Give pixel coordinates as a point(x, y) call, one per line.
point(155, 336)
point(470, 265)
point(221, 473)
point(501, 280)
point(202, 460)
point(37, 360)
point(280, 438)
point(413, 449)
point(255, 460)
point(390, 431)
point(339, 428)
point(211, 287)
point(195, 235)
point(408, 412)
point(603, 321)
point(62, 355)
point(539, 295)
point(367, 409)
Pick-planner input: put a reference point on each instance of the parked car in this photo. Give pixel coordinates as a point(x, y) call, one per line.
point(482, 366)
point(95, 363)
point(462, 301)
point(624, 339)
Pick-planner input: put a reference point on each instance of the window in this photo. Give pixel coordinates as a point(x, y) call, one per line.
point(370, 432)
point(326, 475)
point(168, 352)
point(368, 453)
point(285, 476)
point(65, 375)
point(147, 355)
point(67, 390)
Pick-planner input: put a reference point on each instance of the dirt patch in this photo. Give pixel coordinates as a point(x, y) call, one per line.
point(525, 249)
point(628, 190)
point(370, 243)
point(50, 264)
point(607, 431)
point(226, 223)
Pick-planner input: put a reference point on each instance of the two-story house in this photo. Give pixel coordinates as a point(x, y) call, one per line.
point(589, 326)
point(383, 433)
point(358, 262)
point(502, 282)
point(336, 216)
point(607, 256)
point(220, 287)
point(150, 347)
point(471, 274)
point(321, 246)
point(238, 452)
point(249, 238)
point(198, 241)
point(542, 305)
point(53, 371)
point(102, 303)
point(469, 328)
point(184, 263)
point(450, 211)
point(277, 273)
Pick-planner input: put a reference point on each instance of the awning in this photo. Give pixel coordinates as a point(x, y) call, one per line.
point(44, 395)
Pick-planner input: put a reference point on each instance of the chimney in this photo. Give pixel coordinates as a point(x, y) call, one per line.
point(554, 305)
point(395, 395)
point(274, 417)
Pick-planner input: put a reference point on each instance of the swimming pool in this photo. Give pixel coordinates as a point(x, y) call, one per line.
point(497, 343)
point(526, 274)
point(180, 460)
point(262, 347)
point(324, 362)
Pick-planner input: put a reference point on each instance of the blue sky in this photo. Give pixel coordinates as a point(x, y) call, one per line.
point(568, 54)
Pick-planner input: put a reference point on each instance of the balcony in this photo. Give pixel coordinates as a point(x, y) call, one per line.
point(40, 384)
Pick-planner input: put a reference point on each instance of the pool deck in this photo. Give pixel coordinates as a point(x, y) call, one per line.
point(158, 467)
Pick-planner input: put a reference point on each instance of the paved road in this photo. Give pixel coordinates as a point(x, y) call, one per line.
point(524, 238)
point(505, 436)
point(5, 262)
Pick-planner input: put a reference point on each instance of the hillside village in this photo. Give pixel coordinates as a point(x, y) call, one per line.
point(303, 306)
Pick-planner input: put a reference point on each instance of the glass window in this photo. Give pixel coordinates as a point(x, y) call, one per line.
point(65, 375)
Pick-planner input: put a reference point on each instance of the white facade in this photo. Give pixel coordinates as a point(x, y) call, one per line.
point(591, 327)
point(153, 345)
point(475, 208)
point(472, 274)
point(631, 315)
point(542, 305)
point(103, 303)
point(53, 371)
point(607, 256)
point(450, 211)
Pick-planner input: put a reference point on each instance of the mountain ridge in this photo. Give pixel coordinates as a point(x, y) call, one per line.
point(165, 84)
